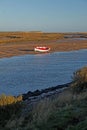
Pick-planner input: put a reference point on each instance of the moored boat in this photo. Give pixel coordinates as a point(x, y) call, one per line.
point(42, 49)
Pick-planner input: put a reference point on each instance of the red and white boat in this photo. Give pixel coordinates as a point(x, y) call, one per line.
point(42, 49)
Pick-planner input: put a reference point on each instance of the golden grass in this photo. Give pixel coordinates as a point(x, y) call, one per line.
point(6, 37)
point(80, 80)
point(6, 100)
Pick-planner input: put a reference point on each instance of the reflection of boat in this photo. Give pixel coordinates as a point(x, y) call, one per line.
point(42, 49)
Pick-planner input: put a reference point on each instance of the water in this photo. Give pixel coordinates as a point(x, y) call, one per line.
point(30, 72)
point(70, 40)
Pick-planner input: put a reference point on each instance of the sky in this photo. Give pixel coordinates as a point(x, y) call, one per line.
point(43, 15)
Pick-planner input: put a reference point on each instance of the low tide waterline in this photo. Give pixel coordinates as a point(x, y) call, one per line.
point(21, 74)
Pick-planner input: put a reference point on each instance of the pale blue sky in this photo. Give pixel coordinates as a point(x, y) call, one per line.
point(43, 15)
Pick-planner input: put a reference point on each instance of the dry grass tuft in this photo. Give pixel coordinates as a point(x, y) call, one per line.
point(80, 80)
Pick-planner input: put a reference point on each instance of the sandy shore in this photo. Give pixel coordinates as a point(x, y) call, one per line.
point(27, 47)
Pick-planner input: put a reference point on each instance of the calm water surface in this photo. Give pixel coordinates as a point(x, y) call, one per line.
point(30, 72)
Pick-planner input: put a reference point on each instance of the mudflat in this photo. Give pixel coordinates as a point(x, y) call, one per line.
point(20, 43)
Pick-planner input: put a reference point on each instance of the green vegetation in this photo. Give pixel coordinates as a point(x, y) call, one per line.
point(63, 111)
point(9, 112)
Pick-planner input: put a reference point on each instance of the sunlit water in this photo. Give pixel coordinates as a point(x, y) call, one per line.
point(30, 72)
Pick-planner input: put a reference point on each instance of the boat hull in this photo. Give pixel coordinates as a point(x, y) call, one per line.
point(42, 49)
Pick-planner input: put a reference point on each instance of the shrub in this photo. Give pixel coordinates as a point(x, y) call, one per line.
point(6, 100)
point(80, 80)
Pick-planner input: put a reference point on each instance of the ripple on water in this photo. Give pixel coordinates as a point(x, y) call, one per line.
point(30, 72)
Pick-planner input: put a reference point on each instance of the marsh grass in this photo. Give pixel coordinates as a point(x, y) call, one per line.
point(7, 37)
point(62, 112)
point(9, 108)
point(79, 80)
point(6, 100)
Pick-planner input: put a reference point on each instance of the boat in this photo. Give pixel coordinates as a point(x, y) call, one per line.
point(42, 49)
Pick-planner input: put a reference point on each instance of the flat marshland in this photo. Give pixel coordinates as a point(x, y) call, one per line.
point(20, 43)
